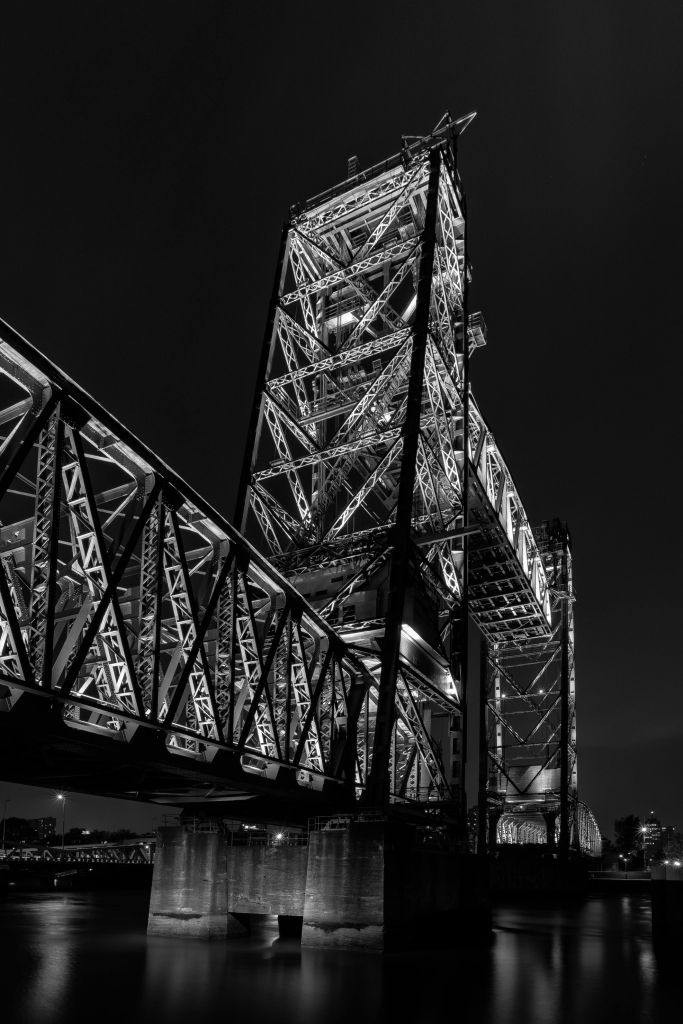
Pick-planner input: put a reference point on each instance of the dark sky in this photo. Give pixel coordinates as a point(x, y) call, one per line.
point(148, 156)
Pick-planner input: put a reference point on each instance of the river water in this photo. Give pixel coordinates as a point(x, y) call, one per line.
point(71, 957)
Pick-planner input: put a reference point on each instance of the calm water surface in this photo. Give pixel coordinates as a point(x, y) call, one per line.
point(68, 957)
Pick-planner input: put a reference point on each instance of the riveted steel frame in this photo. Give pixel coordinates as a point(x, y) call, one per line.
point(130, 603)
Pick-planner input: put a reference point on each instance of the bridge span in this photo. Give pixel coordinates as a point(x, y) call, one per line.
point(313, 661)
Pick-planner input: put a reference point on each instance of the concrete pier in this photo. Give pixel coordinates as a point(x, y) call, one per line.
point(370, 885)
point(375, 886)
point(266, 880)
point(189, 892)
point(344, 905)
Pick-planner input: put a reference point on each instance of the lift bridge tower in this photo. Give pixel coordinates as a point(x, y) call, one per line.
point(528, 787)
point(356, 477)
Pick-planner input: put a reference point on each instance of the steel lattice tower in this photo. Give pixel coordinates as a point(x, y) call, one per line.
point(357, 480)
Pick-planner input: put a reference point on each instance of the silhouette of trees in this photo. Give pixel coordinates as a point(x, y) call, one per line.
point(627, 835)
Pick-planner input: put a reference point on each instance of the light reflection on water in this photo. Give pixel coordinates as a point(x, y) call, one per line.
point(74, 957)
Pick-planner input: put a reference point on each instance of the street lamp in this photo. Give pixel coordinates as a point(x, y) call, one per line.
point(4, 824)
point(62, 798)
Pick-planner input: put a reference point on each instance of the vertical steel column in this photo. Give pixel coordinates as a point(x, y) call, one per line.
point(251, 448)
point(482, 822)
point(563, 847)
point(377, 793)
point(463, 643)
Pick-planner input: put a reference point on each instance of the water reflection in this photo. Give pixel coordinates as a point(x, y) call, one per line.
point(70, 957)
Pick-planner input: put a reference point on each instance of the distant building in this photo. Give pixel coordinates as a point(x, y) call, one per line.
point(652, 837)
point(672, 841)
point(41, 830)
point(28, 831)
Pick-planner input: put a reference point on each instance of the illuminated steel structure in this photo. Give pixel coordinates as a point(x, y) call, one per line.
point(370, 468)
point(130, 610)
point(166, 656)
point(528, 689)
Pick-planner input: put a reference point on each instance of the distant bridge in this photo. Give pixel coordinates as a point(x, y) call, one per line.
point(317, 658)
point(139, 850)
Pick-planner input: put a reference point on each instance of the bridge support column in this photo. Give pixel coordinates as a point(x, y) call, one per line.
point(189, 887)
point(268, 880)
point(370, 886)
point(550, 818)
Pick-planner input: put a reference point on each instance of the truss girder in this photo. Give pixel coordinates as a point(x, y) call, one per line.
point(128, 602)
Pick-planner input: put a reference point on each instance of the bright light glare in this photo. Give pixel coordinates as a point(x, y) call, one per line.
point(280, 835)
point(409, 631)
point(343, 320)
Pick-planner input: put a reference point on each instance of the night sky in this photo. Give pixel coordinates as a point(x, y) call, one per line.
point(148, 156)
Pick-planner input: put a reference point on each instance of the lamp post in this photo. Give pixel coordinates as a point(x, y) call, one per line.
point(62, 797)
point(4, 824)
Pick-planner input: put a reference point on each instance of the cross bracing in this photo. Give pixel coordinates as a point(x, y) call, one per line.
point(371, 464)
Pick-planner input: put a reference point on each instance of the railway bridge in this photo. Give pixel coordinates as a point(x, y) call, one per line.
point(311, 661)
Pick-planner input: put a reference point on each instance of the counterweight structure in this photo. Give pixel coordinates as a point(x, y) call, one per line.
point(369, 458)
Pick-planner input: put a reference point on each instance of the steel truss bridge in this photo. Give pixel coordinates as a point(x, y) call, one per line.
point(316, 657)
point(123, 851)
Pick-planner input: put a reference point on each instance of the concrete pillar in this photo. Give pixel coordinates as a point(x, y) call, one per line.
point(266, 880)
point(371, 886)
point(344, 904)
point(667, 909)
point(189, 893)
